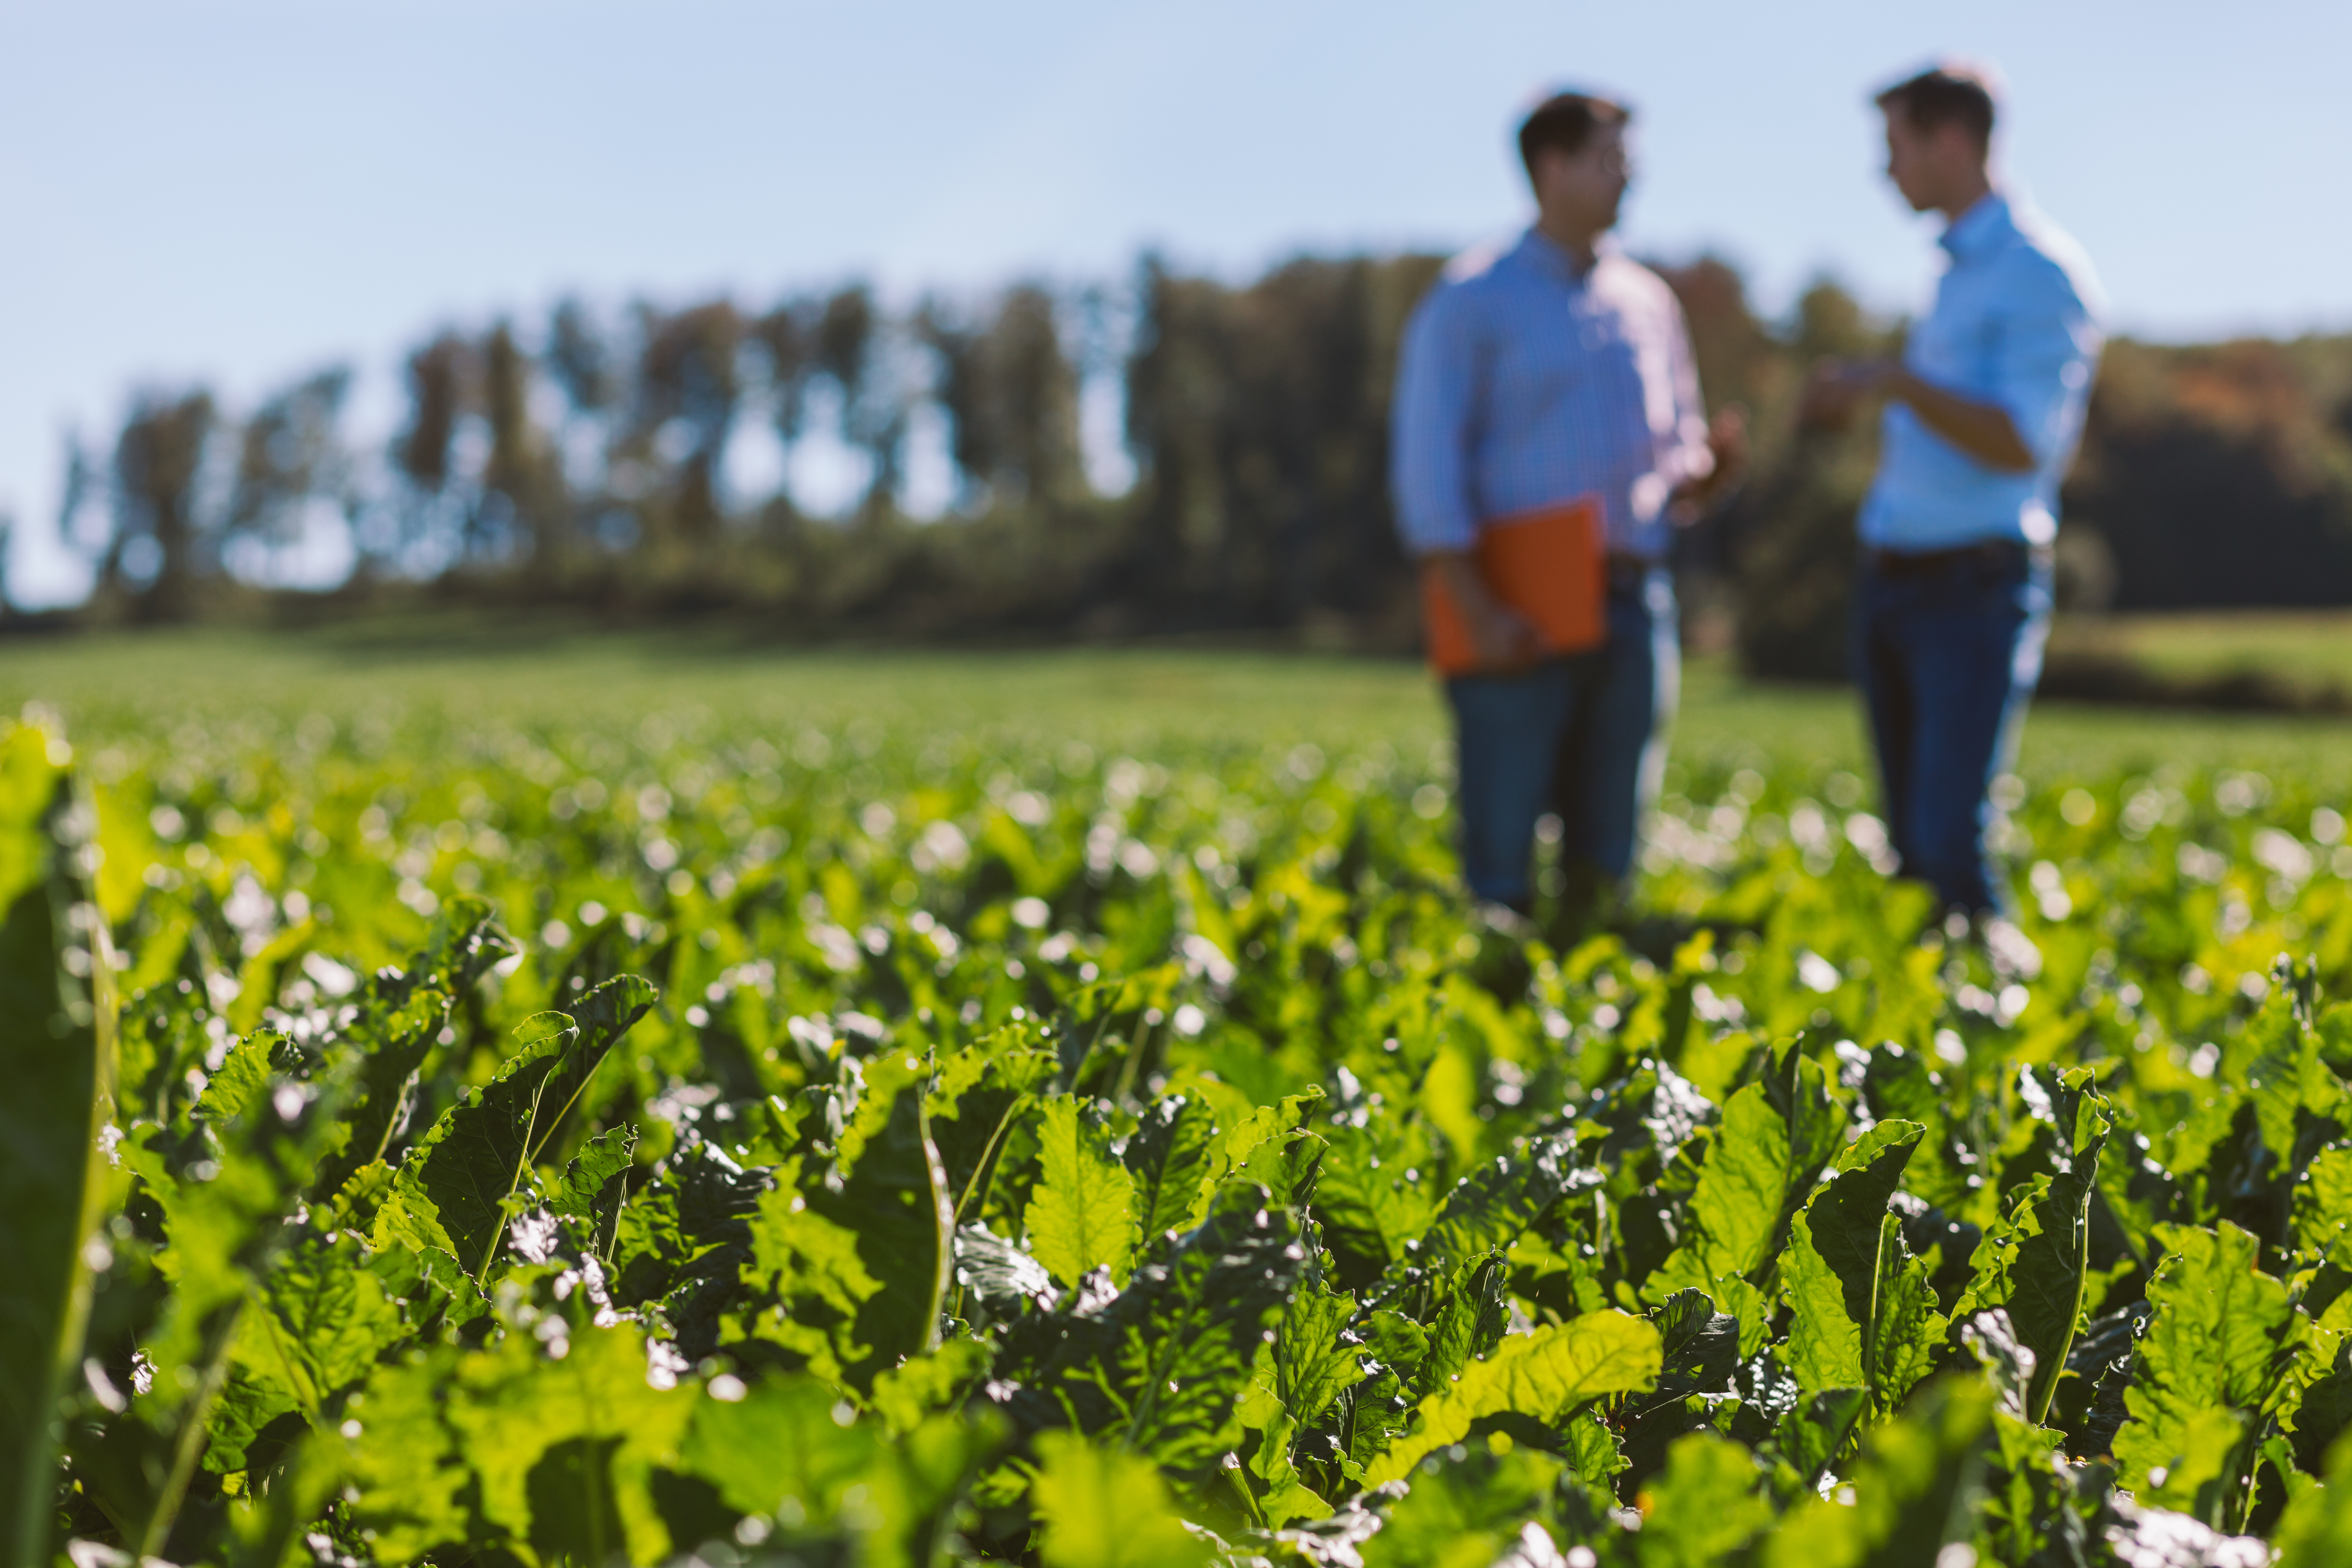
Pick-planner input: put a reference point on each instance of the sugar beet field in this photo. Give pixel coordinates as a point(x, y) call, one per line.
point(787, 1115)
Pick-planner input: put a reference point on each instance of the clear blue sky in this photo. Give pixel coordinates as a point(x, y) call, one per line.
point(235, 192)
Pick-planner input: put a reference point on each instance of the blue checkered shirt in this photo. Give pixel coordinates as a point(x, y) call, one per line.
point(1524, 385)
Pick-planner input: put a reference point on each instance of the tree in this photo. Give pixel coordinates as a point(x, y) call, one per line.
point(289, 454)
point(1010, 393)
point(160, 543)
point(522, 481)
point(687, 390)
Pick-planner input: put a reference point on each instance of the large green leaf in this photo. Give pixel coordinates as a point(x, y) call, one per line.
point(1544, 1375)
point(1903, 1508)
point(395, 1017)
point(1705, 1508)
point(2035, 1262)
point(452, 1191)
point(888, 1189)
point(57, 1050)
point(1079, 1216)
point(2316, 1530)
point(1498, 1201)
point(786, 1452)
point(1173, 1158)
point(1776, 1136)
point(1160, 1368)
point(2226, 1351)
point(325, 1317)
point(1102, 1508)
point(1864, 1312)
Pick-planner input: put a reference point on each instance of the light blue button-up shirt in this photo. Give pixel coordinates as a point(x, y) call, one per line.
point(2016, 325)
point(1523, 385)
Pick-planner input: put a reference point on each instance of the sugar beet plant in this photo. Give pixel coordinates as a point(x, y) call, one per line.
point(601, 1145)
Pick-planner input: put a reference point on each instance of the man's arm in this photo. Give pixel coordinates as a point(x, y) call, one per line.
point(1499, 634)
point(1983, 431)
point(1713, 455)
point(1430, 430)
point(2047, 347)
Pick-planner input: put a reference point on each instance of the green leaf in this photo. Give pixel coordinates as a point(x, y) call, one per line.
point(451, 1192)
point(1864, 1311)
point(1912, 1471)
point(1824, 1348)
point(2035, 1261)
point(1160, 1368)
point(453, 1188)
point(1544, 1375)
point(605, 1013)
point(1847, 1212)
point(1101, 1507)
point(1078, 1217)
point(2226, 1348)
point(583, 1191)
point(57, 1057)
point(1172, 1161)
point(1777, 1134)
point(812, 1266)
point(1371, 1196)
point(2323, 1206)
point(1705, 1508)
point(1311, 1367)
point(397, 1016)
point(2315, 1531)
point(889, 1190)
point(1471, 1506)
point(325, 1317)
point(792, 1453)
point(454, 1447)
point(1497, 1202)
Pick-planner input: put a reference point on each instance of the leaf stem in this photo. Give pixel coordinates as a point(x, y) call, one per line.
point(190, 1442)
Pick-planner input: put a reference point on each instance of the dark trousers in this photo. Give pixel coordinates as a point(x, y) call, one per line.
point(1946, 648)
point(1581, 736)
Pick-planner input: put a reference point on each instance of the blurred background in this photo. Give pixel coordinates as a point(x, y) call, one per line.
point(1042, 322)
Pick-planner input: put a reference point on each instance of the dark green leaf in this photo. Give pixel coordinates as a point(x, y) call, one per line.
point(56, 1059)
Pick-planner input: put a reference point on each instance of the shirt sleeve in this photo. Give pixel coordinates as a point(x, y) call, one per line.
point(1429, 426)
point(1689, 457)
point(2047, 347)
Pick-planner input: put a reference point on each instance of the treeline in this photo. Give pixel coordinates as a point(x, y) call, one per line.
point(595, 460)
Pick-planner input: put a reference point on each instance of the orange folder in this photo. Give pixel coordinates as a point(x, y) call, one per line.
point(1548, 565)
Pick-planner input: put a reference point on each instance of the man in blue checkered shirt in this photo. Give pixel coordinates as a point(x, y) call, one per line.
point(1532, 376)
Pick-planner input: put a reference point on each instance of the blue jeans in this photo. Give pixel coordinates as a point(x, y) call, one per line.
point(1947, 654)
point(1581, 736)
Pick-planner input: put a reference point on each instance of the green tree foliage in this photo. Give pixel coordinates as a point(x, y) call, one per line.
point(595, 459)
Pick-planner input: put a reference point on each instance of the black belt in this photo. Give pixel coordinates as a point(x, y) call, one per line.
point(1628, 572)
point(1935, 562)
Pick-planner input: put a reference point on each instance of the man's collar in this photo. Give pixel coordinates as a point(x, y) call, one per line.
point(1546, 252)
point(1973, 229)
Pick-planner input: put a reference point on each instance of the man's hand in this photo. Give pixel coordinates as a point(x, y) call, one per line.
point(1836, 387)
point(1727, 444)
point(1983, 431)
point(1500, 637)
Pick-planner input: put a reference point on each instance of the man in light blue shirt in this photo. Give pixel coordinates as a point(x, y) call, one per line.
point(1530, 376)
point(1983, 412)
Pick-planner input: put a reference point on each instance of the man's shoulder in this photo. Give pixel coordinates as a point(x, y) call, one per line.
point(2042, 261)
point(1627, 279)
point(1476, 269)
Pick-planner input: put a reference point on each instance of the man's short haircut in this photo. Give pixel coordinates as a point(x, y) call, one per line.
point(1564, 123)
point(1949, 94)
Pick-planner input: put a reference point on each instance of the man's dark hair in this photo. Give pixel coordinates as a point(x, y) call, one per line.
point(1564, 123)
point(1945, 95)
